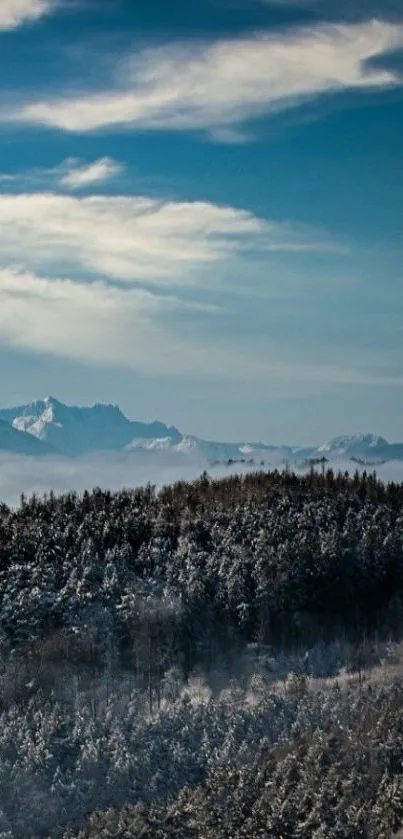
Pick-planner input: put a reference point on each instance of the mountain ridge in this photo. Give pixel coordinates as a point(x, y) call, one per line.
point(47, 426)
point(73, 430)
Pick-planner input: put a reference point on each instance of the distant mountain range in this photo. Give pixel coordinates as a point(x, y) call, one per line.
point(47, 426)
point(75, 431)
point(365, 448)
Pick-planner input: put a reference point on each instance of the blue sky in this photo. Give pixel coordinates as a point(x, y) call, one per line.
point(201, 212)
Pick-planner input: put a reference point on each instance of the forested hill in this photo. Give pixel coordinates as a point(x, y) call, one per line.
point(216, 659)
point(269, 557)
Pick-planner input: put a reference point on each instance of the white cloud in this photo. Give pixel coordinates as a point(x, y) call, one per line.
point(133, 238)
point(107, 326)
point(79, 176)
point(129, 239)
point(72, 174)
point(100, 325)
point(89, 322)
point(13, 13)
point(215, 86)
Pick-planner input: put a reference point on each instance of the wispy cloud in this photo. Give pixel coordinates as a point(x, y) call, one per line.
point(135, 238)
point(72, 174)
point(85, 321)
point(133, 329)
point(13, 13)
point(79, 176)
point(220, 85)
point(106, 326)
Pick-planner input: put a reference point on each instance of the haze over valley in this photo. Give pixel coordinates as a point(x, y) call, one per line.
point(47, 445)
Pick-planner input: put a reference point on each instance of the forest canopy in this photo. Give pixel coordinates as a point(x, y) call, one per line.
point(204, 660)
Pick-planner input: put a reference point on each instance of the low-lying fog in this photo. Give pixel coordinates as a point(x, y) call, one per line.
point(26, 475)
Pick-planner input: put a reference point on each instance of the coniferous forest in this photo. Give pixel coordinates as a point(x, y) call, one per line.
point(214, 659)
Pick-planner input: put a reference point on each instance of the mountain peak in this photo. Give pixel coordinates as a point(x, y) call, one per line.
point(358, 443)
point(74, 430)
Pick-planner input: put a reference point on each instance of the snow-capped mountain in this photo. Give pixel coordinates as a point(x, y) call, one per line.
point(363, 446)
point(18, 442)
point(210, 451)
point(74, 431)
point(48, 426)
point(354, 443)
point(188, 445)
